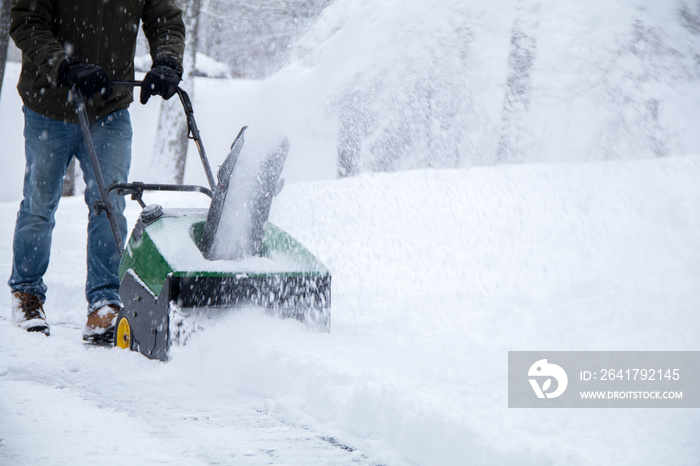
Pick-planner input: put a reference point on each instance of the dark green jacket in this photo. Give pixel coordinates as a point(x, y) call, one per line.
point(101, 32)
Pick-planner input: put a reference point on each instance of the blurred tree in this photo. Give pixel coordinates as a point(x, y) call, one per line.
point(69, 179)
point(254, 37)
point(516, 103)
point(4, 36)
point(170, 151)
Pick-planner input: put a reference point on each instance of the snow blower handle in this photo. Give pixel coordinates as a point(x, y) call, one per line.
point(193, 132)
point(105, 204)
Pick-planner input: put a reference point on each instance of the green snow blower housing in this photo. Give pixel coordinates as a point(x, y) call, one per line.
point(168, 288)
point(173, 277)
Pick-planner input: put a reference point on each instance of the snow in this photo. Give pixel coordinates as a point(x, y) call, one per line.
point(437, 273)
point(177, 246)
point(250, 189)
point(423, 83)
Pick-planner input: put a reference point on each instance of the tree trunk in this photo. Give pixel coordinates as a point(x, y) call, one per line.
point(170, 151)
point(354, 125)
point(69, 178)
point(523, 47)
point(349, 141)
point(4, 36)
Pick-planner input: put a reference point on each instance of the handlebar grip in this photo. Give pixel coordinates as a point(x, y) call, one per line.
point(127, 83)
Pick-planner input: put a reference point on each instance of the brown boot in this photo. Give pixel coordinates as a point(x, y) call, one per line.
point(28, 313)
point(100, 325)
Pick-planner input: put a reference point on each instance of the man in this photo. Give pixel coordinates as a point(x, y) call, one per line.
point(84, 44)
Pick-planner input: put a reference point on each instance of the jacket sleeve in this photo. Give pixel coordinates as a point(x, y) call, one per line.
point(30, 29)
point(164, 29)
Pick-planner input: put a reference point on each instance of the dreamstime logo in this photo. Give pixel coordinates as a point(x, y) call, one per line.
point(543, 370)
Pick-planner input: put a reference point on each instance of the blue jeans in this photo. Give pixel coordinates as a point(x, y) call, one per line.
point(49, 147)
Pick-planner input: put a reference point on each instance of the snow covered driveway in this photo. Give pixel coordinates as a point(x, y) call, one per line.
point(92, 406)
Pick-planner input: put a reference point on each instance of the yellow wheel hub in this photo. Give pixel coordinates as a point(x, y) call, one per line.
point(123, 334)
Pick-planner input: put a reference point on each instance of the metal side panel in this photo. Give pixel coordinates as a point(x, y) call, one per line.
point(147, 315)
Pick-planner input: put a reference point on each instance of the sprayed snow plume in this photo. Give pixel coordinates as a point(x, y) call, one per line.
point(247, 181)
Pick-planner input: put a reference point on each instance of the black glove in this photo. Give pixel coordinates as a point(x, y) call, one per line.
point(162, 80)
point(90, 79)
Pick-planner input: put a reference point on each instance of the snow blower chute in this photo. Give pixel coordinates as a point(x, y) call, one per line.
point(182, 267)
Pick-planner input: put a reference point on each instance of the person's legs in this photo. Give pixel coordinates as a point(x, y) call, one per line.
point(112, 138)
point(49, 147)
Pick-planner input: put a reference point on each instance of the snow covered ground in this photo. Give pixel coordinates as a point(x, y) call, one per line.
point(437, 274)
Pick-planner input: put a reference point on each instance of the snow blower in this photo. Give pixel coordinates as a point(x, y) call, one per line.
point(183, 267)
